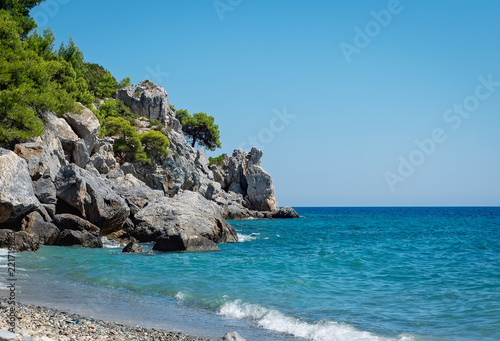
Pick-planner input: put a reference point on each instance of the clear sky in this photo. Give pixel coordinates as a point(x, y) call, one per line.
point(335, 92)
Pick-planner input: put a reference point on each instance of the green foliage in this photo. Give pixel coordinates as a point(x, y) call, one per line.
point(199, 129)
point(218, 161)
point(124, 83)
point(155, 144)
point(20, 10)
point(128, 146)
point(30, 84)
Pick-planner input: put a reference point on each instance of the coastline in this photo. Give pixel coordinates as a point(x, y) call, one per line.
point(52, 324)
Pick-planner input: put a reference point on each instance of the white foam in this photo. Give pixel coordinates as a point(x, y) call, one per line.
point(180, 296)
point(110, 244)
point(277, 321)
point(247, 238)
point(4, 252)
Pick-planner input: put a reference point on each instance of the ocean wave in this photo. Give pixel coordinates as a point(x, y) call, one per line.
point(4, 252)
point(110, 244)
point(247, 237)
point(320, 331)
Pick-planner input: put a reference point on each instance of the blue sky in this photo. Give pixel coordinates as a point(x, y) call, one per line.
point(334, 92)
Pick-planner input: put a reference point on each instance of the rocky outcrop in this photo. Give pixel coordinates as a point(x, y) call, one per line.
point(242, 175)
point(19, 241)
point(78, 238)
point(188, 212)
point(103, 158)
point(133, 247)
point(150, 101)
point(286, 213)
point(182, 241)
point(92, 198)
point(17, 197)
point(86, 125)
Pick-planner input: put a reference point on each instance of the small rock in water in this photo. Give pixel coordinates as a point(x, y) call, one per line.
point(232, 336)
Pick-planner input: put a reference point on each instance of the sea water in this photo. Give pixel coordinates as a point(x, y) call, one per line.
point(333, 274)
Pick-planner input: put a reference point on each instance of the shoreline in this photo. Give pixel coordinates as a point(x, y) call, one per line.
point(49, 324)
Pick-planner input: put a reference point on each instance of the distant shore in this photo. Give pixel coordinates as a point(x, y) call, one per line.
point(52, 324)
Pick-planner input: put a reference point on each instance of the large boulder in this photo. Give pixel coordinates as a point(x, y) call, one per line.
point(78, 238)
point(188, 212)
point(150, 101)
point(86, 125)
point(19, 241)
point(103, 158)
point(175, 241)
point(67, 221)
point(134, 191)
point(17, 197)
point(260, 189)
point(44, 154)
point(33, 223)
point(92, 198)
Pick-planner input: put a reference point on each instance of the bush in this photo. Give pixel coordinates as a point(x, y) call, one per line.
point(155, 144)
point(218, 161)
point(128, 146)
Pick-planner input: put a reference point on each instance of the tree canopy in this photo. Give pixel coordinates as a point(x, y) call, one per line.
point(199, 129)
point(20, 11)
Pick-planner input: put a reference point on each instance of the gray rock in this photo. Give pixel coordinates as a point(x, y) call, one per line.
point(133, 247)
point(175, 241)
point(81, 154)
point(78, 238)
point(45, 190)
point(232, 336)
point(17, 196)
point(134, 191)
point(86, 125)
point(260, 189)
point(50, 209)
point(150, 101)
point(103, 158)
point(128, 168)
point(67, 221)
point(33, 223)
point(19, 241)
point(286, 212)
point(121, 236)
point(6, 335)
point(65, 134)
point(92, 198)
point(187, 212)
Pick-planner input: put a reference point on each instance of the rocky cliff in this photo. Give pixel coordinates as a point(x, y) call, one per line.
point(67, 188)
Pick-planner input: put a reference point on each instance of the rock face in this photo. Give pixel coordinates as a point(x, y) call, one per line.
point(150, 101)
point(17, 197)
point(188, 212)
point(92, 198)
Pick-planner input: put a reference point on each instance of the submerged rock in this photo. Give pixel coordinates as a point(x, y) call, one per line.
point(174, 241)
point(133, 247)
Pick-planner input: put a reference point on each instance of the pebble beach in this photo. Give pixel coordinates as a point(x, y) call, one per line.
point(45, 324)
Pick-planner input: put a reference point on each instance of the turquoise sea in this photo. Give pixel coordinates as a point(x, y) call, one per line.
point(334, 274)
